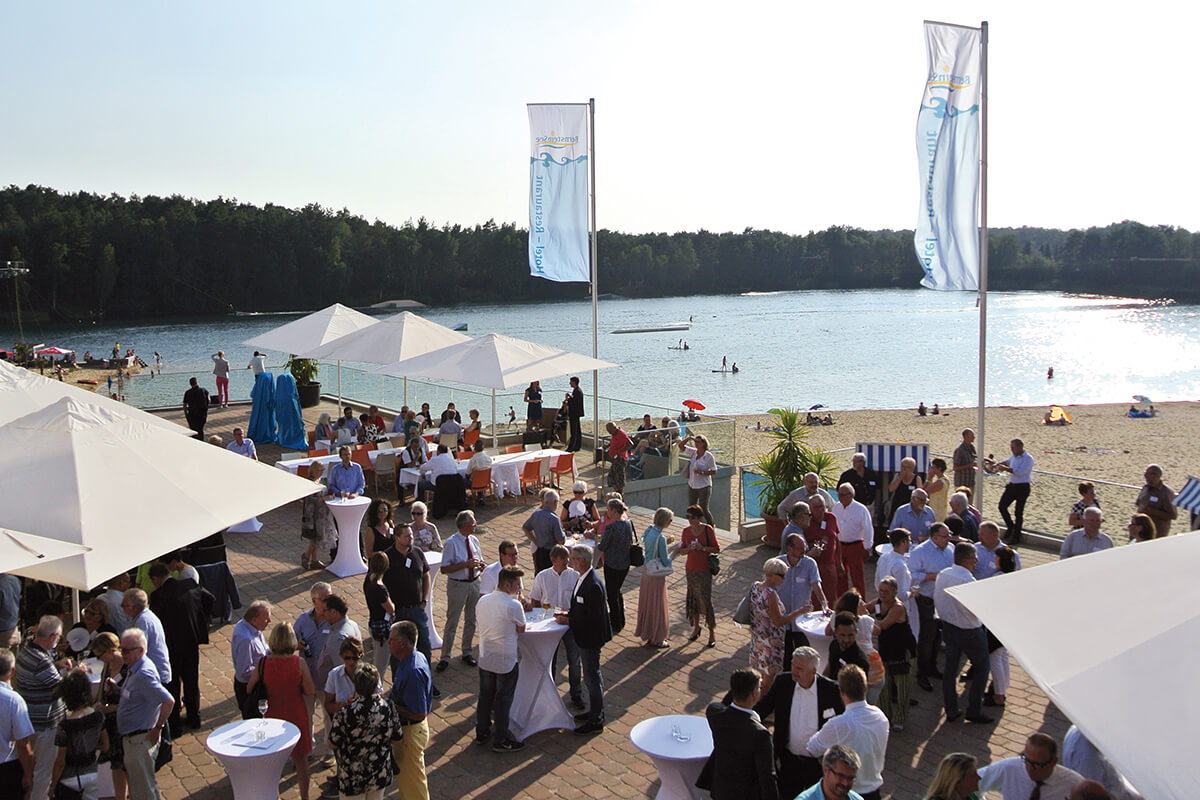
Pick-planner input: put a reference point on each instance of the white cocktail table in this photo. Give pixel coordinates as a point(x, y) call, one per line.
point(679, 760)
point(813, 625)
point(537, 705)
point(434, 559)
point(254, 766)
point(348, 514)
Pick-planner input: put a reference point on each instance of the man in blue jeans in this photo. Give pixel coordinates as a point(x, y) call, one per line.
point(963, 633)
point(500, 618)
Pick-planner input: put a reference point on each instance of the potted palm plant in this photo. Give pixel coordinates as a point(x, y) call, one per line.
point(305, 370)
point(782, 468)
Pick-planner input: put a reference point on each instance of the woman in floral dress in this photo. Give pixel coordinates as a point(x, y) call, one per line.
point(769, 621)
point(362, 736)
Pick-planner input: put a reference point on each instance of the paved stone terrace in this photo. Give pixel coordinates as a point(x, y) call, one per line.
point(640, 683)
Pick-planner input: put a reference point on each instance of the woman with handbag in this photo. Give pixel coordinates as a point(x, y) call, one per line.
point(288, 682)
point(613, 551)
point(769, 621)
point(80, 737)
point(699, 541)
point(898, 649)
point(654, 618)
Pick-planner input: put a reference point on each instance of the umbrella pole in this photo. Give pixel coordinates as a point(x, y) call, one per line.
point(405, 390)
point(75, 605)
point(339, 385)
point(495, 436)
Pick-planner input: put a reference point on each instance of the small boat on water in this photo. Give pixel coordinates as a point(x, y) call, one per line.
point(670, 326)
point(462, 326)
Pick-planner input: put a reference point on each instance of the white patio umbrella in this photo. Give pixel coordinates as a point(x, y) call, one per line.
point(392, 339)
point(1120, 670)
point(23, 392)
point(497, 362)
point(19, 550)
point(312, 331)
point(82, 474)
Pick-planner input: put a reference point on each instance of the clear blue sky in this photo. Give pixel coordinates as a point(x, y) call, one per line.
point(709, 115)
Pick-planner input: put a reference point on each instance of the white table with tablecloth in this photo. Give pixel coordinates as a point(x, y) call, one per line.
point(294, 465)
point(253, 752)
point(434, 559)
point(348, 514)
point(678, 745)
point(813, 625)
point(537, 705)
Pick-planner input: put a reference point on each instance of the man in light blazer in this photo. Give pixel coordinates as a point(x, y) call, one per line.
point(742, 766)
point(822, 701)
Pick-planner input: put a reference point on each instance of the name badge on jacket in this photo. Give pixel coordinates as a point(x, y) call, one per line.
point(827, 713)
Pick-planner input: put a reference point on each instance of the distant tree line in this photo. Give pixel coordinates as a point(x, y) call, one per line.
point(93, 256)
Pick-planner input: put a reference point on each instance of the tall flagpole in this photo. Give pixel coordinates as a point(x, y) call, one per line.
point(983, 258)
point(594, 271)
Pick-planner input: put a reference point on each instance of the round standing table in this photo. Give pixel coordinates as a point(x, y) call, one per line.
point(434, 560)
point(348, 514)
point(254, 766)
point(813, 625)
point(678, 762)
point(537, 705)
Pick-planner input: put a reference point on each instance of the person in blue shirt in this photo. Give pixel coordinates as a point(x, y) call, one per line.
point(346, 479)
point(144, 708)
point(839, 768)
point(915, 516)
point(412, 695)
point(924, 563)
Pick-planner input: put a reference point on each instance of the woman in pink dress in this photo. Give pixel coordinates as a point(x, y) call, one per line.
point(288, 683)
point(654, 618)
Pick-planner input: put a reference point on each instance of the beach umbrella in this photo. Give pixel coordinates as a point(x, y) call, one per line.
point(19, 549)
point(52, 351)
point(23, 392)
point(818, 405)
point(694, 405)
point(1141, 398)
point(391, 339)
point(1140, 663)
point(312, 331)
point(495, 361)
point(83, 474)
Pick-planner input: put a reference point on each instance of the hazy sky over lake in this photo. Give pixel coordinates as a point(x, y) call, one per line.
point(792, 116)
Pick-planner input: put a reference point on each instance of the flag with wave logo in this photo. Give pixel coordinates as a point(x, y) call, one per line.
point(558, 192)
point(947, 234)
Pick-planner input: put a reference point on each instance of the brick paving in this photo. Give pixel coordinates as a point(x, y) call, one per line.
point(640, 683)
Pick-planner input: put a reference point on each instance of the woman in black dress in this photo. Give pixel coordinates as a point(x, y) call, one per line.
point(533, 408)
point(380, 528)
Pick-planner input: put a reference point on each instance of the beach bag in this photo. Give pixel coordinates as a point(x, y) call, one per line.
point(744, 614)
point(876, 672)
point(654, 567)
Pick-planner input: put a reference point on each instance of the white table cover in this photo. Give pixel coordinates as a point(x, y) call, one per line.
point(813, 625)
point(434, 559)
point(678, 762)
point(254, 767)
point(537, 705)
point(348, 514)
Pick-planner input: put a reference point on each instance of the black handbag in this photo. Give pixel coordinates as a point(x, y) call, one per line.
point(637, 556)
point(166, 750)
point(714, 564)
point(253, 696)
point(64, 792)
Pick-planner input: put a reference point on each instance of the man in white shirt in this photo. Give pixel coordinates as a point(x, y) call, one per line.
point(1089, 538)
point(811, 486)
point(501, 621)
point(1036, 769)
point(861, 727)
point(462, 564)
point(480, 460)
point(1020, 465)
point(258, 363)
point(441, 464)
point(491, 573)
point(894, 563)
point(553, 588)
point(963, 634)
point(855, 532)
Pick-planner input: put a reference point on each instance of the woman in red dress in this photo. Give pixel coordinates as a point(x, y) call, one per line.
point(288, 683)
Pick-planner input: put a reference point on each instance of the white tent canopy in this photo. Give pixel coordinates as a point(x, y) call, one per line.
point(401, 336)
point(495, 361)
point(313, 330)
point(1120, 668)
point(23, 392)
point(80, 473)
point(18, 550)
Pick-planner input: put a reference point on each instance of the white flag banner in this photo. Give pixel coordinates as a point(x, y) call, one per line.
point(558, 192)
point(947, 234)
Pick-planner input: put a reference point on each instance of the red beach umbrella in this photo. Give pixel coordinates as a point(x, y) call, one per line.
point(694, 405)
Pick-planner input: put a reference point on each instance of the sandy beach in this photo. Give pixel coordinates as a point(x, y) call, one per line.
point(1102, 444)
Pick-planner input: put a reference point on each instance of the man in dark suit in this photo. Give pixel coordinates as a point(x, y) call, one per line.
point(741, 766)
point(574, 415)
point(184, 611)
point(820, 701)
point(591, 628)
point(195, 408)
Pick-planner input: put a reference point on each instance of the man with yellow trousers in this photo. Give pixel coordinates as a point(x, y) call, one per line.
point(412, 694)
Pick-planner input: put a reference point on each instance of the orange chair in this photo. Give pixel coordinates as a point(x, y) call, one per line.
point(361, 458)
point(302, 470)
point(531, 475)
point(481, 484)
point(514, 448)
point(564, 466)
point(465, 455)
point(312, 439)
point(470, 438)
point(318, 452)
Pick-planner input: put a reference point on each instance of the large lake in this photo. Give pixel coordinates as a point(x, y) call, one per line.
point(843, 349)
